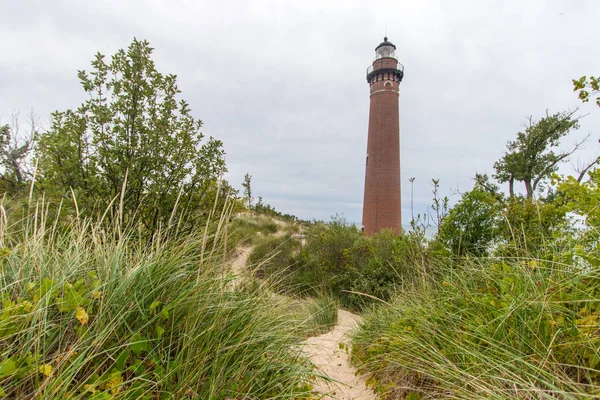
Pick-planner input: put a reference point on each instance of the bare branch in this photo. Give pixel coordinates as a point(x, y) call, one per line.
point(561, 157)
point(584, 171)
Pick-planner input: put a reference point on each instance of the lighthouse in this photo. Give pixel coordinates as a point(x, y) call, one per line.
point(381, 205)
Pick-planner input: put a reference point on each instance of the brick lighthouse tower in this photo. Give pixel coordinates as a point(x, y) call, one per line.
point(381, 206)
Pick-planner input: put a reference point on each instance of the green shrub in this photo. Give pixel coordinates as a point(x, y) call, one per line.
point(90, 313)
point(340, 260)
point(489, 330)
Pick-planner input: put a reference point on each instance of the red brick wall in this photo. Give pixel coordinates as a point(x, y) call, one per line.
point(381, 206)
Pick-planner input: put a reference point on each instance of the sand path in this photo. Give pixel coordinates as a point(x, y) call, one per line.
point(238, 265)
point(324, 350)
point(325, 353)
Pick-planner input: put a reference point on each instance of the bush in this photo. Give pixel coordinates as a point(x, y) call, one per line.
point(338, 259)
point(89, 313)
point(489, 330)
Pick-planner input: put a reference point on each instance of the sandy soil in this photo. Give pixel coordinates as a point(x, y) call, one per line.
point(325, 353)
point(241, 259)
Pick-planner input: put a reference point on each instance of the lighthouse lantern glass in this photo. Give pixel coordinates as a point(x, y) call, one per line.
point(385, 51)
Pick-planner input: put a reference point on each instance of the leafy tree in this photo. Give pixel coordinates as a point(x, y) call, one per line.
point(132, 147)
point(532, 228)
point(248, 189)
point(530, 158)
point(583, 198)
point(587, 87)
point(472, 224)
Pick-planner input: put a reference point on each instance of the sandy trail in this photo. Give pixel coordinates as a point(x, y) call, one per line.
point(241, 259)
point(325, 353)
point(324, 350)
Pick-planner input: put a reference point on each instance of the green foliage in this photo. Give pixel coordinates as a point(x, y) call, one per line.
point(247, 231)
point(471, 226)
point(587, 87)
point(273, 256)
point(132, 147)
point(484, 223)
point(533, 228)
point(323, 314)
point(247, 185)
point(583, 197)
point(263, 208)
point(87, 314)
point(489, 330)
point(530, 158)
point(338, 259)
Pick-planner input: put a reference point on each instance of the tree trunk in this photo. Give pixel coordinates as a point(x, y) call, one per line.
point(529, 188)
point(511, 187)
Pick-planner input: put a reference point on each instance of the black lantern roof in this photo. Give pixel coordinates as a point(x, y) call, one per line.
point(385, 43)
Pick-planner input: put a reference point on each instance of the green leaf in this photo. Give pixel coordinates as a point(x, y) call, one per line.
point(165, 312)
point(7, 367)
point(122, 359)
point(159, 331)
point(154, 304)
point(138, 344)
point(71, 300)
point(137, 368)
point(413, 396)
point(2, 392)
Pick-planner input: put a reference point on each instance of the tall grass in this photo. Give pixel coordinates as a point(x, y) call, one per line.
point(88, 312)
point(248, 230)
point(488, 329)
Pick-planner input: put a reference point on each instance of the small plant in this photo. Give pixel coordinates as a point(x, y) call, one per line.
point(323, 312)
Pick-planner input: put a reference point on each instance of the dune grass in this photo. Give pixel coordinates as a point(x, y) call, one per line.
point(245, 230)
point(488, 329)
point(323, 314)
point(88, 312)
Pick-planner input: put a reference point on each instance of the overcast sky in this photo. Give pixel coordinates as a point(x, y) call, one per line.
point(282, 83)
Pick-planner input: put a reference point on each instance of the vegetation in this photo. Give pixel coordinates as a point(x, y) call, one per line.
point(114, 278)
point(247, 185)
point(489, 330)
point(15, 148)
point(530, 158)
point(95, 314)
point(587, 87)
point(263, 208)
point(509, 305)
point(131, 140)
point(111, 264)
point(244, 231)
point(322, 314)
point(339, 260)
point(273, 256)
